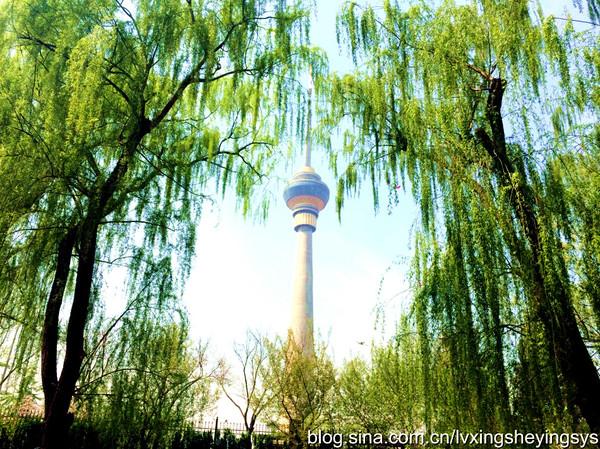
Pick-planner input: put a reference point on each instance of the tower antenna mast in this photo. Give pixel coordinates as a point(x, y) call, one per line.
point(309, 118)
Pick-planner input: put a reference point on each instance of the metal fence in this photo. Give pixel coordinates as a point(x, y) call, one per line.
point(15, 418)
point(233, 427)
point(199, 425)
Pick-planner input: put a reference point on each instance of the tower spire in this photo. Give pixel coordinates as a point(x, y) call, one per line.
point(309, 118)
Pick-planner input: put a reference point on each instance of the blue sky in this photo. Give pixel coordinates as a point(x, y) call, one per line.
point(242, 275)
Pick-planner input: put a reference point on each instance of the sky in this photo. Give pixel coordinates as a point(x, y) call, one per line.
point(241, 278)
point(242, 275)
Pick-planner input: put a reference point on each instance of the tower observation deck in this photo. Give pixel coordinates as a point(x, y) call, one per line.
point(306, 195)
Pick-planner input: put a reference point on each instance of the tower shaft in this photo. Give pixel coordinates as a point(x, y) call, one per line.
point(305, 195)
point(302, 298)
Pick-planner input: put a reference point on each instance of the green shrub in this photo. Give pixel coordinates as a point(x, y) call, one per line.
point(27, 434)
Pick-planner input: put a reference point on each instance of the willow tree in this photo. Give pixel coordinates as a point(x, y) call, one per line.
point(480, 109)
point(146, 380)
point(384, 395)
point(115, 116)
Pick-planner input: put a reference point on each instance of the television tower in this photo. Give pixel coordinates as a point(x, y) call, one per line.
point(306, 195)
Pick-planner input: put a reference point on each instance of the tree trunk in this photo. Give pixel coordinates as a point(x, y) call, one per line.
point(550, 302)
point(57, 418)
point(50, 331)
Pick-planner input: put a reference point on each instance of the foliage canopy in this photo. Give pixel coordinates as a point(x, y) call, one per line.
point(116, 118)
point(485, 111)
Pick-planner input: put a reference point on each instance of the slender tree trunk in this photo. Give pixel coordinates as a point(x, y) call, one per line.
point(550, 302)
point(250, 442)
point(50, 331)
point(57, 419)
point(250, 428)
